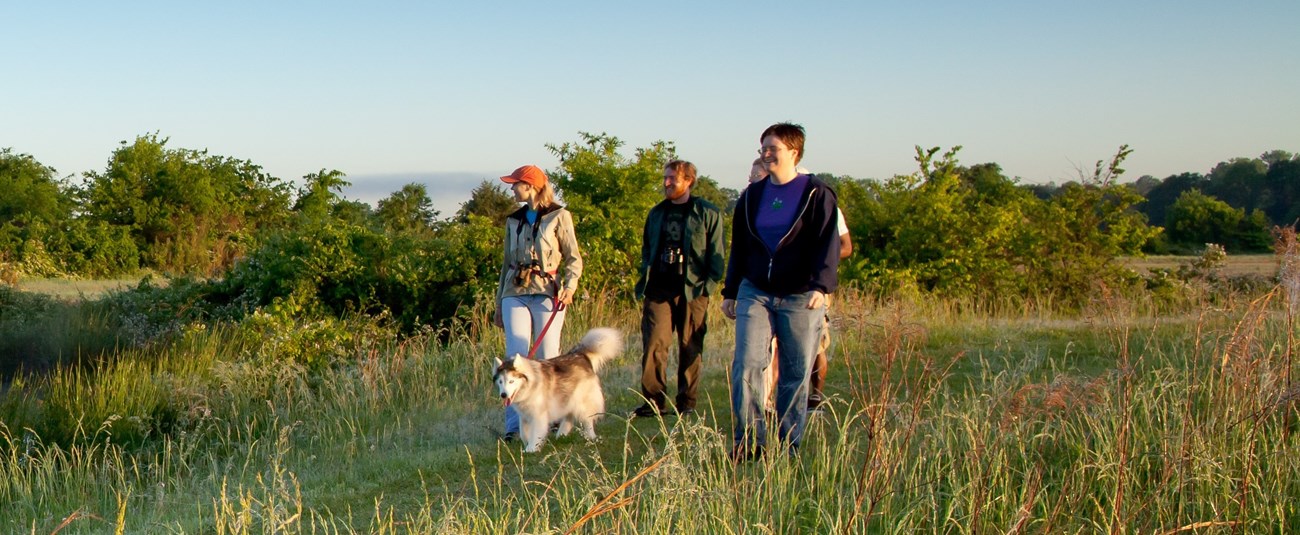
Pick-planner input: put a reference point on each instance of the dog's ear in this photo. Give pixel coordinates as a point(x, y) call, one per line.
point(499, 363)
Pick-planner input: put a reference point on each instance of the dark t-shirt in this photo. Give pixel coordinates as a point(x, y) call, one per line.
point(668, 274)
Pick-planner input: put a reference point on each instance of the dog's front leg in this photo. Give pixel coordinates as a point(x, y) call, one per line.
point(589, 428)
point(534, 432)
point(564, 427)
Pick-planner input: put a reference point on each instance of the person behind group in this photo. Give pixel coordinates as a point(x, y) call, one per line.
point(681, 266)
point(784, 255)
point(539, 273)
point(817, 377)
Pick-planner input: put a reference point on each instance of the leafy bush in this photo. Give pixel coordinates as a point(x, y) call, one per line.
point(315, 345)
point(39, 333)
point(1196, 218)
point(1202, 278)
point(151, 312)
point(187, 211)
point(973, 233)
point(609, 195)
point(95, 249)
point(339, 269)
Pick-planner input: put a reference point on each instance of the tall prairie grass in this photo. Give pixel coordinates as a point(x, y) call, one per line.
point(944, 417)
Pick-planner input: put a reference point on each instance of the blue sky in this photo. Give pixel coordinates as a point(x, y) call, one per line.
point(450, 93)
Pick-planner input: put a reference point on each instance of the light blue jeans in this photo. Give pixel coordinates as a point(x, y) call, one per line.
point(524, 317)
point(760, 316)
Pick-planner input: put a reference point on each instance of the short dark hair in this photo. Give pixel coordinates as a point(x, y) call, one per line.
point(790, 134)
point(683, 168)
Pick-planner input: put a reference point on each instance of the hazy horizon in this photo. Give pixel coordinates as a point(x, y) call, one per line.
point(385, 88)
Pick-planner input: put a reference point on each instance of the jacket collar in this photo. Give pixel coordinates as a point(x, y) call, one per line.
point(754, 195)
point(690, 203)
point(520, 214)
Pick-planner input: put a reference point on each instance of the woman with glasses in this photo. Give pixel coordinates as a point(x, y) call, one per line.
point(784, 255)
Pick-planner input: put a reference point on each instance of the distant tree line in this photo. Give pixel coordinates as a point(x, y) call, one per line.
point(251, 241)
point(973, 232)
point(1235, 205)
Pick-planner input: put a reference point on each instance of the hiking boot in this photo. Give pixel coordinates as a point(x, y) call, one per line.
point(647, 411)
point(741, 454)
point(814, 402)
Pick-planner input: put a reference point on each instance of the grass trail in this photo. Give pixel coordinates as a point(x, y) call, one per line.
point(939, 421)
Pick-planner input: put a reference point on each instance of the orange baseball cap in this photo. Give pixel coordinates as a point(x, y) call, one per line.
point(528, 174)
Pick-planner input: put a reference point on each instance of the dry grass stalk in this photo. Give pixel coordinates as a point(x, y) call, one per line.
point(1245, 369)
point(876, 401)
point(1031, 496)
point(896, 394)
point(1242, 341)
point(1287, 249)
point(76, 515)
point(604, 506)
point(1198, 525)
point(1061, 398)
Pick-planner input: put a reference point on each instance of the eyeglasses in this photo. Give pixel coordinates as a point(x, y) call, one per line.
point(765, 150)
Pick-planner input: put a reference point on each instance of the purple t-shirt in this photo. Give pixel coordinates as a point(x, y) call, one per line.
point(777, 209)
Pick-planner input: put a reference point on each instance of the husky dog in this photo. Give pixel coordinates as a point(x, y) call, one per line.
point(564, 389)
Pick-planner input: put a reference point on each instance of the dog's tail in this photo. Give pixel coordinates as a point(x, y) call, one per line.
point(601, 344)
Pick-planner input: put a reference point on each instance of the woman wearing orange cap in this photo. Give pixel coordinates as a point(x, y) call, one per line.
point(540, 270)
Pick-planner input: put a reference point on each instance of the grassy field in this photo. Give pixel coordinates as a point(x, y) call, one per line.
point(69, 289)
point(1264, 265)
point(941, 420)
point(1260, 265)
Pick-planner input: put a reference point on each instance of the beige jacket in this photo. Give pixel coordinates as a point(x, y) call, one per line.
point(550, 246)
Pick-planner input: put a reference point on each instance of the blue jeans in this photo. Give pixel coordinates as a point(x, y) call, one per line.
point(760, 316)
point(523, 317)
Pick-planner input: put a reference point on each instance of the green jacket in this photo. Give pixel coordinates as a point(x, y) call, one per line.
point(703, 246)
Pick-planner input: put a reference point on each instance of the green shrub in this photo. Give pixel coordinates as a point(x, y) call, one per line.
point(39, 333)
point(340, 269)
point(316, 344)
point(971, 232)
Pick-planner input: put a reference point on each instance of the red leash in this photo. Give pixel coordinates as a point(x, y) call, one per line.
point(556, 307)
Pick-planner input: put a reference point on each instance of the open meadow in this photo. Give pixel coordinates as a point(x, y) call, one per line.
point(75, 289)
point(943, 418)
point(197, 341)
point(1258, 265)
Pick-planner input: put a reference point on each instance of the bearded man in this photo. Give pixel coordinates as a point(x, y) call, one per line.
point(681, 266)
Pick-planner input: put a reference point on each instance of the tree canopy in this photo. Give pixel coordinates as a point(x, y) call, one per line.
point(609, 194)
point(186, 210)
point(947, 228)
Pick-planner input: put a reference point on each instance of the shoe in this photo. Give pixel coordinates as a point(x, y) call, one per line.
point(510, 437)
point(814, 402)
point(647, 411)
point(740, 454)
point(686, 412)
